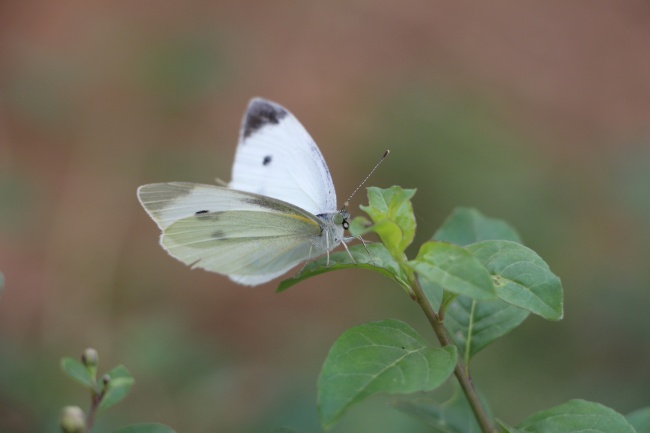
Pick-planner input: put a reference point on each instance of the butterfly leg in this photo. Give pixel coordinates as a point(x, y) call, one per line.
point(348, 250)
point(367, 250)
point(307, 261)
point(327, 250)
point(364, 245)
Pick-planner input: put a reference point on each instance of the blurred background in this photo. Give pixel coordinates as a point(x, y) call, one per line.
point(536, 113)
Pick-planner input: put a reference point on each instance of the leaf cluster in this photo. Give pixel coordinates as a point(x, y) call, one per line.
point(106, 392)
point(478, 281)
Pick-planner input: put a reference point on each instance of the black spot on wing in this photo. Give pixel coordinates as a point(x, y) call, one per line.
point(267, 160)
point(262, 113)
point(208, 216)
point(218, 234)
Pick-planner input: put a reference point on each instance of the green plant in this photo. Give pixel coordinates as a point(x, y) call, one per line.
point(475, 281)
point(108, 391)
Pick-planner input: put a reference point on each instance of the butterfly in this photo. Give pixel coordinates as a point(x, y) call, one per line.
point(278, 210)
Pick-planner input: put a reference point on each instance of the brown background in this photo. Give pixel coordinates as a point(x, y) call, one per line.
point(537, 113)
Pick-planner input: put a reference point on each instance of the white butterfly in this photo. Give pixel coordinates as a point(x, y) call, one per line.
point(279, 209)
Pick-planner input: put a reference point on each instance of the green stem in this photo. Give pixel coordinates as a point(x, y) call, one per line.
point(461, 372)
point(95, 400)
point(94, 404)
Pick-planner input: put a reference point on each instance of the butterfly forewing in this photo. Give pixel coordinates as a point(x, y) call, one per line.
point(169, 202)
point(276, 157)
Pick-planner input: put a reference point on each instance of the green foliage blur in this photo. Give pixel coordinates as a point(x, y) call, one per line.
point(535, 114)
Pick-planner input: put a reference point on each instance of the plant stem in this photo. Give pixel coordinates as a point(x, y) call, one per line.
point(461, 372)
point(95, 400)
point(90, 418)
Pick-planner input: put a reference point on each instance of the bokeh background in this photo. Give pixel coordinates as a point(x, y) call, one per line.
point(534, 112)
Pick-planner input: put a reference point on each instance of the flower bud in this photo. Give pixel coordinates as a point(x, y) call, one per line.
point(90, 357)
point(73, 420)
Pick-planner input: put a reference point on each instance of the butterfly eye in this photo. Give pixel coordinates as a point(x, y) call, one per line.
point(346, 224)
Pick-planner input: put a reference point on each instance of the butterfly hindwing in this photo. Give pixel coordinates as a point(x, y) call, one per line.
point(276, 157)
point(241, 243)
point(251, 238)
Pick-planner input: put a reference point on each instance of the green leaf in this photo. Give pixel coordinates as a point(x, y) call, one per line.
point(577, 416)
point(359, 226)
point(640, 420)
point(380, 357)
point(453, 416)
point(145, 428)
point(119, 385)
point(471, 324)
point(521, 277)
point(78, 372)
point(380, 260)
point(466, 226)
point(392, 215)
point(454, 269)
point(505, 428)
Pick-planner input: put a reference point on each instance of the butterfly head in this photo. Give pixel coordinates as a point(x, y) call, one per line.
point(341, 218)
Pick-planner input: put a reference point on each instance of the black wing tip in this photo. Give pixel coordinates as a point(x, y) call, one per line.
point(261, 112)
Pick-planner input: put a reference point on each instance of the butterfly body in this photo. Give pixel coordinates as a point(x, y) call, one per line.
point(278, 211)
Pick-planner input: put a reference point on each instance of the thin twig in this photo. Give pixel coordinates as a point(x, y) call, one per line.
point(95, 401)
point(462, 374)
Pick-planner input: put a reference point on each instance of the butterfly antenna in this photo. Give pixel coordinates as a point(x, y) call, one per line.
point(347, 202)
